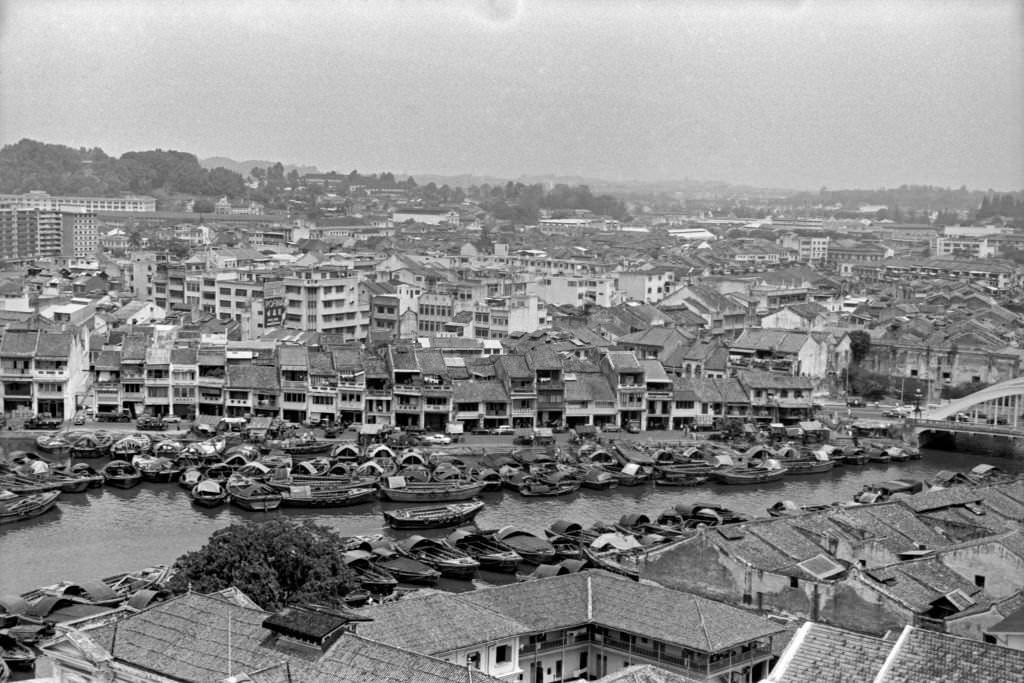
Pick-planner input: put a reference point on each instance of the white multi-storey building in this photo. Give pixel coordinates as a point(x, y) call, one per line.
point(46, 202)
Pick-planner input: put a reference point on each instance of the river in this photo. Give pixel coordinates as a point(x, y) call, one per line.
point(105, 531)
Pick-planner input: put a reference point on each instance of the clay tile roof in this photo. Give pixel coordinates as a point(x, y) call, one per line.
point(292, 356)
point(825, 654)
point(589, 386)
point(623, 360)
point(187, 355)
point(108, 359)
point(211, 356)
point(19, 343)
point(515, 366)
point(134, 347)
point(53, 345)
point(930, 657)
point(478, 391)
point(431, 362)
point(321, 362)
point(259, 377)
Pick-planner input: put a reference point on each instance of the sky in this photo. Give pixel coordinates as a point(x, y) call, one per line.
point(790, 94)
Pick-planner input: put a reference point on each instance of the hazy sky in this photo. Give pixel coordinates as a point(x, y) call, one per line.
point(841, 93)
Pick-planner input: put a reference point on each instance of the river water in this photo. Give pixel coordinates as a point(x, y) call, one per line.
point(105, 531)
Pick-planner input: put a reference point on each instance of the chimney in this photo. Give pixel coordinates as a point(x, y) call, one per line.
point(310, 628)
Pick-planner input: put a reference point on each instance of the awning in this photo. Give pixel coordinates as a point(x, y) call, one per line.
point(260, 422)
point(372, 429)
point(811, 426)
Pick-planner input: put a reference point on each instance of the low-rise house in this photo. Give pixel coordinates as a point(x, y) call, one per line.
point(586, 625)
point(807, 316)
point(777, 396)
point(700, 402)
point(188, 638)
point(780, 350)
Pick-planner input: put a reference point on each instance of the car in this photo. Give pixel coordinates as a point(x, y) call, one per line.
point(611, 427)
point(633, 426)
point(436, 439)
point(855, 402)
point(481, 431)
point(171, 419)
point(79, 419)
point(148, 422)
point(503, 430)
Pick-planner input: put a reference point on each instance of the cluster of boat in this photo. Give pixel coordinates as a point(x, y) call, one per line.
point(28, 619)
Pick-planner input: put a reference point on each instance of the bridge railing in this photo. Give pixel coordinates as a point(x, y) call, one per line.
point(955, 426)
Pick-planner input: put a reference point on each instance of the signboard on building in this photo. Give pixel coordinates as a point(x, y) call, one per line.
point(273, 311)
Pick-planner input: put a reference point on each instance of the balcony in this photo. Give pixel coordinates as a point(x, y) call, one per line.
point(239, 402)
point(50, 373)
point(522, 389)
point(15, 372)
point(351, 384)
point(659, 395)
point(210, 398)
point(158, 381)
point(378, 393)
point(437, 407)
point(350, 405)
point(468, 415)
point(407, 389)
point(437, 391)
point(407, 407)
point(293, 385)
point(550, 385)
point(210, 381)
point(553, 403)
point(523, 412)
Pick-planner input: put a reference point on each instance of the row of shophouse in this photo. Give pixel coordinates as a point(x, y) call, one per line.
point(158, 370)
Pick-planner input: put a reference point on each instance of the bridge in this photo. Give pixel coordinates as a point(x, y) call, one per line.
point(997, 410)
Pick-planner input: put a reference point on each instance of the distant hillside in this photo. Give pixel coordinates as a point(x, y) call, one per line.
point(243, 167)
point(31, 165)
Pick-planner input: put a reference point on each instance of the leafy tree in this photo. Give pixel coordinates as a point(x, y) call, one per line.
point(275, 562)
point(870, 385)
point(860, 344)
point(963, 389)
point(202, 206)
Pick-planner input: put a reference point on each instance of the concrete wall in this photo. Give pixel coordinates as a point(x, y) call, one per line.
point(1002, 570)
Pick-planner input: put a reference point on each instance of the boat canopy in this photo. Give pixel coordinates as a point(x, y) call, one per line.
point(208, 486)
point(14, 604)
point(565, 527)
point(615, 540)
point(634, 519)
point(417, 541)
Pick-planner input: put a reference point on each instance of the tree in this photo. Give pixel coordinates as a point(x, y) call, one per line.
point(860, 344)
point(276, 562)
point(202, 206)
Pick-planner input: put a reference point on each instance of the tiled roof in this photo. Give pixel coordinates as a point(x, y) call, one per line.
point(825, 654)
point(211, 356)
point(763, 379)
point(645, 673)
point(347, 360)
point(185, 355)
point(431, 362)
point(402, 359)
point(919, 583)
point(320, 362)
point(108, 359)
point(589, 386)
point(921, 656)
point(292, 356)
point(53, 345)
point(478, 391)
point(446, 622)
point(134, 347)
point(19, 343)
point(623, 360)
point(187, 638)
point(543, 358)
point(777, 341)
point(259, 377)
point(516, 367)
point(654, 371)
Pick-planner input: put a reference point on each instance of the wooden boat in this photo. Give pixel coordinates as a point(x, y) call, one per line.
point(25, 484)
point(433, 516)
point(761, 474)
point(405, 569)
point(68, 482)
point(372, 576)
point(400, 490)
point(253, 495)
point(641, 525)
point(491, 553)
point(672, 478)
point(530, 546)
point(784, 508)
point(56, 444)
point(882, 491)
point(158, 469)
point(538, 487)
point(130, 446)
point(16, 655)
point(14, 508)
point(568, 537)
point(693, 515)
point(617, 553)
point(209, 493)
point(190, 477)
point(122, 474)
point(448, 560)
point(598, 478)
point(307, 447)
point(856, 456)
point(89, 445)
point(490, 478)
point(808, 466)
point(84, 470)
point(322, 494)
point(878, 454)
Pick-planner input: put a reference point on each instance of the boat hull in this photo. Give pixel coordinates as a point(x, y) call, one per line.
point(439, 494)
point(432, 517)
point(256, 503)
point(124, 481)
point(28, 507)
point(809, 467)
point(742, 478)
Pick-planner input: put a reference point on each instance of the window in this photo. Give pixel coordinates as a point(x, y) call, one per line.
point(794, 582)
point(979, 580)
point(502, 654)
point(473, 660)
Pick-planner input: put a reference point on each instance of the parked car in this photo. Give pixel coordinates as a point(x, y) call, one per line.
point(504, 430)
point(113, 416)
point(855, 402)
point(171, 419)
point(436, 439)
point(79, 419)
point(42, 422)
point(633, 426)
point(611, 427)
point(481, 431)
point(150, 423)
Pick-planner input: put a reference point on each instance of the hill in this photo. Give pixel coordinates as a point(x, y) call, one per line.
point(244, 167)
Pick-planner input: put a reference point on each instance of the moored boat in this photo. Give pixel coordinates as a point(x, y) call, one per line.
point(787, 507)
point(209, 493)
point(448, 560)
point(491, 553)
point(322, 494)
point(617, 553)
point(372, 576)
point(405, 569)
point(84, 470)
point(16, 655)
point(433, 516)
point(14, 508)
point(400, 490)
point(537, 487)
point(530, 546)
point(249, 494)
point(122, 474)
point(770, 471)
